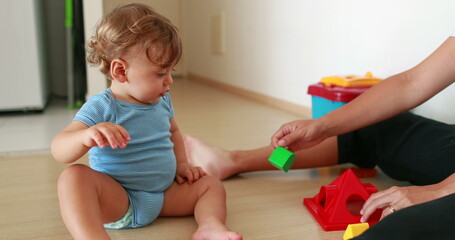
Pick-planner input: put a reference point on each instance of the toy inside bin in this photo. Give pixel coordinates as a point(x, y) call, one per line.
point(335, 91)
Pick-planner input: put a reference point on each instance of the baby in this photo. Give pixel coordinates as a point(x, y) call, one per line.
point(138, 166)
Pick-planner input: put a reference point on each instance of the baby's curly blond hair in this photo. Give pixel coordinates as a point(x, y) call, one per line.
point(133, 25)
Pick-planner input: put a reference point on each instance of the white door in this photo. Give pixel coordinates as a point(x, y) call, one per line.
point(22, 85)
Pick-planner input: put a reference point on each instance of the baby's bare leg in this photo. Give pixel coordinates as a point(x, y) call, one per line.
point(88, 199)
point(206, 199)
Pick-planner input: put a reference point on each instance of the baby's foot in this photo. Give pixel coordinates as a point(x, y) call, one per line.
point(215, 161)
point(216, 234)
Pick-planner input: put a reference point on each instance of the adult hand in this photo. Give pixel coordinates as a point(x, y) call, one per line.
point(396, 198)
point(299, 134)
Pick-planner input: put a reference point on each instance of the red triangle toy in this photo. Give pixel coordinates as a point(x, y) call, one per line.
point(333, 205)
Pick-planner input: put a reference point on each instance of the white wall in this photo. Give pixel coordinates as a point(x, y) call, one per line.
point(93, 11)
point(279, 47)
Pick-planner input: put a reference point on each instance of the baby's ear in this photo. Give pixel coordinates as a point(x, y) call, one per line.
point(118, 70)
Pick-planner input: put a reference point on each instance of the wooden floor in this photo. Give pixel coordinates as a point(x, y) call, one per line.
point(261, 205)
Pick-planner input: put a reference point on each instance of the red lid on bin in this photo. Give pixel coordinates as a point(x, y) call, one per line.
point(336, 93)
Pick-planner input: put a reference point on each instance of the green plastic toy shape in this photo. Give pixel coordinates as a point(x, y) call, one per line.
point(282, 158)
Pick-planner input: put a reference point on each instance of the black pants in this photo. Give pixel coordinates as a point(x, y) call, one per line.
point(430, 220)
point(408, 148)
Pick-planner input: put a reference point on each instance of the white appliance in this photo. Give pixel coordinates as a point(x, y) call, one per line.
point(22, 63)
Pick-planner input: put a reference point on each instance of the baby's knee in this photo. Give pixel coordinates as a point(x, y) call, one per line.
point(212, 183)
point(74, 174)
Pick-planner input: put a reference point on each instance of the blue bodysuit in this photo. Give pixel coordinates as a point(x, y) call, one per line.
point(147, 166)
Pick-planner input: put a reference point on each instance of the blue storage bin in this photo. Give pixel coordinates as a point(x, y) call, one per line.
point(328, 98)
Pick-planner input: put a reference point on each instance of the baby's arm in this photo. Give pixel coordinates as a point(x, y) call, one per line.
point(185, 171)
point(75, 140)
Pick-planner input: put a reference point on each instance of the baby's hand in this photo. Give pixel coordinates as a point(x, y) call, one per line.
point(189, 173)
point(106, 134)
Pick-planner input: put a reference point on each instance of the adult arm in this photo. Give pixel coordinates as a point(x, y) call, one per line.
point(388, 98)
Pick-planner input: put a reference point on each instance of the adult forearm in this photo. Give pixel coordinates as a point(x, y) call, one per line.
point(392, 96)
point(396, 94)
point(447, 186)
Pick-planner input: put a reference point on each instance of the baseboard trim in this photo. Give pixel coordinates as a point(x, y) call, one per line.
point(302, 111)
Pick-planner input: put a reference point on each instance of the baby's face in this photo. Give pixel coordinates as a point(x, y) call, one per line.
point(147, 81)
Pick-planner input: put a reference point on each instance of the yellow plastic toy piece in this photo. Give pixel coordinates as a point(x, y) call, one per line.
point(351, 80)
point(354, 230)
